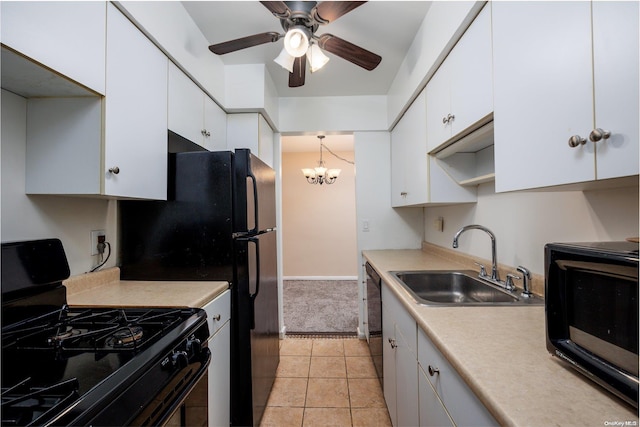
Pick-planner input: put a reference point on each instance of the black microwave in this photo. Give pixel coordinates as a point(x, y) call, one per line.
point(591, 309)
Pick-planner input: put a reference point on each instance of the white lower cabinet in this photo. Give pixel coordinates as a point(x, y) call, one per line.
point(462, 405)
point(399, 362)
point(420, 387)
point(218, 316)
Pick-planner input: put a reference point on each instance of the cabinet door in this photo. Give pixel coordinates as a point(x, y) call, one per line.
point(542, 93)
point(615, 53)
point(438, 104)
point(219, 379)
point(135, 112)
point(215, 123)
point(389, 364)
point(406, 381)
point(410, 152)
point(242, 132)
point(68, 37)
point(432, 411)
point(471, 74)
point(265, 136)
point(185, 106)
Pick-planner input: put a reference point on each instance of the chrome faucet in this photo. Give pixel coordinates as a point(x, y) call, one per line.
point(494, 259)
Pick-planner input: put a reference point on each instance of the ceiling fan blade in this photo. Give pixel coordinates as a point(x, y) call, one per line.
point(278, 8)
point(244, 42)
point(328, 11)
point(349, 51)
point(296, 78)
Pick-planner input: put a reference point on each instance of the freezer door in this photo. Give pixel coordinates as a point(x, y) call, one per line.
point(255, 195)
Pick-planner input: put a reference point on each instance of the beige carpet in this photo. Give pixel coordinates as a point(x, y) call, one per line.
point(317, 307)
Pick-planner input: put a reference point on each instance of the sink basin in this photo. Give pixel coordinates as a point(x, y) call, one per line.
point(460, 288)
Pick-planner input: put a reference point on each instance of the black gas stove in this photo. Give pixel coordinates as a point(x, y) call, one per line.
point(95, 366)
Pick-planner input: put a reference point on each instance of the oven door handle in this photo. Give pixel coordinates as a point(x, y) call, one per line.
point(205, 359)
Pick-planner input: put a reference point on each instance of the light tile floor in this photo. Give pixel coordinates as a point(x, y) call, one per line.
point(325, 382)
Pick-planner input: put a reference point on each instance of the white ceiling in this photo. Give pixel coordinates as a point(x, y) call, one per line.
point(386, 28)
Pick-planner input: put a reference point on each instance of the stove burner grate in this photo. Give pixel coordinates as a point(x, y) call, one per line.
point(27, 405)
point(68, 332)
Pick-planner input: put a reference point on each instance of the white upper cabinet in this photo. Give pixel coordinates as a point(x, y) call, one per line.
point(418, 179)
point(616, 77)
point(460, 94)
point(409, 174)
point(251, 130)
point(115, 145)
point(193, 114)
point(135, 113)
point(550, 80)
point(68, 37)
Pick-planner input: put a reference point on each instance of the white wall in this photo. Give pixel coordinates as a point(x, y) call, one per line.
point(37, 217)
point(524, 222)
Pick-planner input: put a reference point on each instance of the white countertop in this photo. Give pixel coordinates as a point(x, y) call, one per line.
point(501, 354)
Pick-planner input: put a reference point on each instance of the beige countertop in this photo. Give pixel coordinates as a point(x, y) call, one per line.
point(104, 288)
point(500, 352)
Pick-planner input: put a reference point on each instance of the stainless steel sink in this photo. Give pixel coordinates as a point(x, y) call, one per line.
point(459, 288)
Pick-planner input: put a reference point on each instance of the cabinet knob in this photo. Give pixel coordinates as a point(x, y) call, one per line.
point(598, 134)
point(217, 317)
point(114, 170)
point(392, 342)
point(403, 194)
point(448, 118)
point(576, 140)
point(205, 132)
point(433, 371)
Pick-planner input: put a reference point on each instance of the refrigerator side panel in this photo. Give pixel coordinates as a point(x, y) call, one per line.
point(188, 237)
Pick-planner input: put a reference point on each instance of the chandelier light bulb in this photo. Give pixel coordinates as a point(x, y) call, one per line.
point(296, 41)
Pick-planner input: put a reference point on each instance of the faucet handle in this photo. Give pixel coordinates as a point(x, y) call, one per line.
point(483, 270)
point(509, 283)
point(526, 293)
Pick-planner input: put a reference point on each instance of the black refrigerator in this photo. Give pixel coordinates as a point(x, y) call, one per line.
point(217, 224)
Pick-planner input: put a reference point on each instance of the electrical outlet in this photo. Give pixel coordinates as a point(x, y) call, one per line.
point(94, 240)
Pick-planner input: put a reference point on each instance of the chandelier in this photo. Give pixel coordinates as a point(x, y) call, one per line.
point(320, 174)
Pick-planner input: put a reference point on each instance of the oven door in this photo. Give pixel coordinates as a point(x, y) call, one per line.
point(183, 401)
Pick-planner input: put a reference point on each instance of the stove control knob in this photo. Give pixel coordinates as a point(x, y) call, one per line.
point(180, 359)
point(194, 346)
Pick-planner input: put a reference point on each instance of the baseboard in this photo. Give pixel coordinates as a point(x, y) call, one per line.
point(283, 332)
point(320, 278)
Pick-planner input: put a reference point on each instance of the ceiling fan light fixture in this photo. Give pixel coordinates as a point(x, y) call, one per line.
point(285, 60)
point(296, 41)
point(317, 58)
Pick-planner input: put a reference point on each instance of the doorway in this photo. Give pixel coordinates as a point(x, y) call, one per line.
point(319, 242)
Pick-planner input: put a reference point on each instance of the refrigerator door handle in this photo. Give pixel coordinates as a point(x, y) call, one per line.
point(253, 296)
point(255, 203)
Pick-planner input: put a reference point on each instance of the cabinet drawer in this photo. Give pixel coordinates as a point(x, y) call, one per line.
point(218, 312)
point(461, 403)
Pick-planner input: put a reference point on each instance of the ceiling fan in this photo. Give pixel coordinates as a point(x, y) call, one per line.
point(300, 20)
